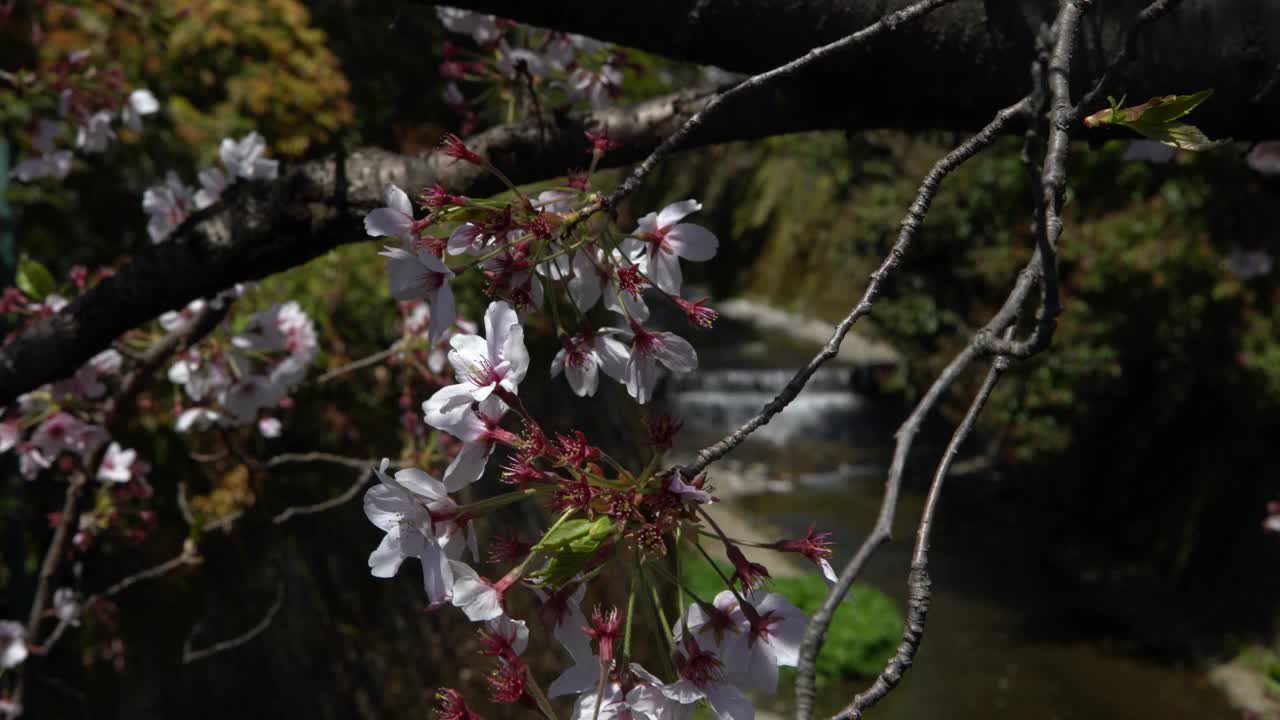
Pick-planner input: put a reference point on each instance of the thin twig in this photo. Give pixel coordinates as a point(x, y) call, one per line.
point(910, 227)
point(673, 141)
point(364, 362)
point(189, 655)
point(918, 584)
point(1119, 65)
point(329, 504)
point(310, 457)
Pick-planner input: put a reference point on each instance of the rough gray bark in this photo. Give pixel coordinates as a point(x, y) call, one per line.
point(954, 67)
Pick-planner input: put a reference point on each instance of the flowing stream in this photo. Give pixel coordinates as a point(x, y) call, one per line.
point(1010, 634)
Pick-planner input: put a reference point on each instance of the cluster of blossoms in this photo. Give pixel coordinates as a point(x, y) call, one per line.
point(524, 63)
point(525, 245)
point(608, 516)
point(91, 105)
point(168, 203)
point(239, 380)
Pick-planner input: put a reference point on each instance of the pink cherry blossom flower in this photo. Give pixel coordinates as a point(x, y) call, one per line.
point(665, 240)
point(685, 491)
point(269, 427)
point(702, 678)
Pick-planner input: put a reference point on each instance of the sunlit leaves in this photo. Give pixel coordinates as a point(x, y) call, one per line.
point(1158, 119)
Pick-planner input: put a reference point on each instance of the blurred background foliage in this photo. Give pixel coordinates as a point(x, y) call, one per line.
point(1146, 435)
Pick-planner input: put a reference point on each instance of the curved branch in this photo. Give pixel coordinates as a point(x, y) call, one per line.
point(190, 655)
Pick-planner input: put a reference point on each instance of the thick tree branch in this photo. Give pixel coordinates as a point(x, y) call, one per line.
point(260, 229)
point(949, 69)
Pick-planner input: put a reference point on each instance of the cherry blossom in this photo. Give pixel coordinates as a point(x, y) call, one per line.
point(67, 606)
point(117, 464)
point(665, 240)
point(243, 158)
point(752, 642)
point(685, 491)
point(51, 162)
point(213, 182)
point(13, 644)
point(479, 433)
point(63, 432)
point(180, 320)
point(168, 204)
point(702, 678)
point(583, 355)
point(399, 507)
point(562, 611)
point(198, 418)
point(478, 599)
point(96, 135)
point(140, 104)
point(395, 219)
point(421, 274)
point(482, 28)
point(598, 86)
point(648, 349)
point(482, 365)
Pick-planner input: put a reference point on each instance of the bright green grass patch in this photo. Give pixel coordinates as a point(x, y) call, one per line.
point(862, 637)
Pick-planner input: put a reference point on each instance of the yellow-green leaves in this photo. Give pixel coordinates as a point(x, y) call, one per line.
point(35, 279)
point(1158, 119)
point(570, 547)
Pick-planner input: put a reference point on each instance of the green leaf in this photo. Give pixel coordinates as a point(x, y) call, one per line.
point(35, 279)
point(1184, 137)
point(1156, 119)
point(571, 546)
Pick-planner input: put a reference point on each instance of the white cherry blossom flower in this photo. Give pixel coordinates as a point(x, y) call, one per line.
point(598, 86)
point(482, 365)
point(243, 158)
point(562, 610)
point(31, 460)
point(141, 103)
point(582, 356)
point(96, 134)
point(701, 678)
point(213, 182)
point(479, 433)
point(477, 599)
point(180, 320)
point(751, 645)
point(677, 486)
point(10, 434)
point(13, 644)
point(167, 204)
point(198, 418)
point(421, 274)
point(66, 606)
point(399, 507)
point(482, 28)
point(269, 427)
point(648, 349)
point(665, 240)
point(51, 162)
point(395, 219)
point(117, 464)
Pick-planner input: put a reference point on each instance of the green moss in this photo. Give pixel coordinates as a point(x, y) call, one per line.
point(863, 635)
